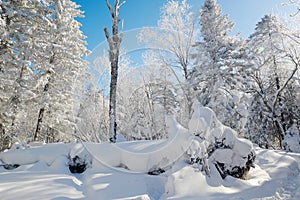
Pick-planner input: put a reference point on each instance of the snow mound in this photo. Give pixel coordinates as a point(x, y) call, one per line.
point(291, 140)
point(36, 153)
point(145, 156)
point(219, 145)
point(275, 176)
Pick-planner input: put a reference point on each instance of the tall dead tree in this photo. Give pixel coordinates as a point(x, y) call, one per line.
point(114, 42)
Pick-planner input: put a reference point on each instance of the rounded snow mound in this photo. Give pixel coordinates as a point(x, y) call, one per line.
point(219, 145)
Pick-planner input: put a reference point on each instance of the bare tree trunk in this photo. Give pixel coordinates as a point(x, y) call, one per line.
point(114, 50)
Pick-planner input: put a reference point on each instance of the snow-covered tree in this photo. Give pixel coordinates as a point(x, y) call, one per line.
point(219, 145)
point(144, 99)
point(22, 21)
point(92, 116)
point(114, 42)
point(217, 60)
point(291, 140)
point(273, 83)
point(41, 50)
point(145, 112)
point(6, 54)
point(172, 43)
point(176, 34)
point(64, 69)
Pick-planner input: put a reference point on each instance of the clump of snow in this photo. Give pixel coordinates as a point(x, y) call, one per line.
point(44, 153)
point(19, 145)
point(120, 138)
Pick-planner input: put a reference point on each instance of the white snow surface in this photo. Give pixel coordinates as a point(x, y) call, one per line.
point(44, 174)
point(119, 171)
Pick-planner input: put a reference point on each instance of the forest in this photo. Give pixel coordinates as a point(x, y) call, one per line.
point(201, 102)
point(49, 94)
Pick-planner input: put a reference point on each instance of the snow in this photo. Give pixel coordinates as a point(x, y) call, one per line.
point(218, 144)
point(44, 175)
point(275, 176)
point(242, 146)
point(291, 140)
point(120, 170)
point(141, 156)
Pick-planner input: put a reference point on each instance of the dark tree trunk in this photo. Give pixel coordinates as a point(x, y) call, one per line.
point(37, 133)
point(5, 140)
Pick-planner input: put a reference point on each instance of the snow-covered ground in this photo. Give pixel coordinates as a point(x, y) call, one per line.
point(44, 174)
point(120, 171)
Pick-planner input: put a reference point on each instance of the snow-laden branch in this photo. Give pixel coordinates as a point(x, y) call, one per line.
point(278, 92)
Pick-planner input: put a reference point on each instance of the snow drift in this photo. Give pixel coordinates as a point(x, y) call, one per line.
point(191, 164)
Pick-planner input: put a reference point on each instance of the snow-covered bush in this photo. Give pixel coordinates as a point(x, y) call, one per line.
point(79, 159)
point(77, 165)
point(217, 144)
point(291, 140)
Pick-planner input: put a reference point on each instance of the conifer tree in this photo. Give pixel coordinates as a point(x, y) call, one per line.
point(217, 60)
point(64, 69)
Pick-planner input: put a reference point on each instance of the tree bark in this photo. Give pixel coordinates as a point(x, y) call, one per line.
point(37, 133)
point(114, 49)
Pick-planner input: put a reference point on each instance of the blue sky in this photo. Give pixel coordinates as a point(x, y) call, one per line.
point(140, 13)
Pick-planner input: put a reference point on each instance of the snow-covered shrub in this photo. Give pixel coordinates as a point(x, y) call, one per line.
point(217, 144)
point(291, 140)
point(156, 172)
point(79, 159)
point(77, 165)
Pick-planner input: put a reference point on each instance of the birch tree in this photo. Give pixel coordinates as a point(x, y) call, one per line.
point(114, 42)
point(172, 43)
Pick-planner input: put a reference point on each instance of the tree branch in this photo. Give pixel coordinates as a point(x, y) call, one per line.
point(109, 8)
point(121, 4)
point(106, 33)
point(278, 92)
